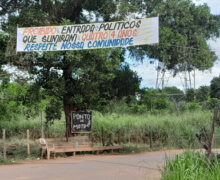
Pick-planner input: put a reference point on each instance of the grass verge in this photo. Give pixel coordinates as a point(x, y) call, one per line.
point(191, 166)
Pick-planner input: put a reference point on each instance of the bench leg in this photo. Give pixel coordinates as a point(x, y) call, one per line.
point(54, 155)
point(48, 155)
point(97, 152)
point(112, 151)
point(74, 154)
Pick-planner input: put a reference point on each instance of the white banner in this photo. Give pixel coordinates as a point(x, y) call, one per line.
point(88, 36)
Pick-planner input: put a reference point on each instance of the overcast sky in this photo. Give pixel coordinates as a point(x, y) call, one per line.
point(148, 73)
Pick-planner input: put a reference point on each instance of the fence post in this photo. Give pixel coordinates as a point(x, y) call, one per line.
point(28, 145)
point(102, 136)
point(150, 137)
point(119, 137)
point(42, 127)
point(4, 144)
point(215, 117)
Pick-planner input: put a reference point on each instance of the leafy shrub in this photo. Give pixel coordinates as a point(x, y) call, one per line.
point(211, 103)
point(138, 108)
point(192, 106)
point(202, 94)
point(190, 95)
point(154, 99)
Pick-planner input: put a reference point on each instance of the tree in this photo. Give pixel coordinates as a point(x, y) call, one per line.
point(126, 83)
point(215, 88)
point(174, 93)
point(4, 76)
point(202, 93)
point(190, 95)
point(73, 78)
point(184, 30)
point(154, 99)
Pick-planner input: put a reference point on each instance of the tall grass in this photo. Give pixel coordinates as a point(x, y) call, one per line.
point(191, 166)
point(168, 130)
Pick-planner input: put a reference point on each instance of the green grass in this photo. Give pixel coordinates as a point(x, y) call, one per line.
point(133, 131)
point(17, 150)
point(191, 166)
point(166, 130)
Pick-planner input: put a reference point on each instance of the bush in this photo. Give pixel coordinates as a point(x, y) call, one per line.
point(202, 94)
point(138, 108)
point(193, 106)
point(190, 95)
point(154, 99)
point(211, 103)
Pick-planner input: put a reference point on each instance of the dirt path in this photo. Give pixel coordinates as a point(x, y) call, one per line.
point(91, 167)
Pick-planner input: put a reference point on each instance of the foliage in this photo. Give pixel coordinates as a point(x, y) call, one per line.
point(174, 93)
point(190, 165)
point(154, 99)
point(190, 95)
point(215, 88)
point(126, 83)
point(211, 103)
point(16, 99)
point(17, 150)
point(53, 110)
point(202, 94)
point(184, 30)
point(167, 130)
point(3, 43)
point(76, 78)
point(193, 106)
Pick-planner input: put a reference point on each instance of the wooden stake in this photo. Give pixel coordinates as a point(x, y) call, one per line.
point(119, 137)
point(150, 137)
point(102, 134)
point(42, 127)
point(4, 144)
point(28, 145)
point(212, 132)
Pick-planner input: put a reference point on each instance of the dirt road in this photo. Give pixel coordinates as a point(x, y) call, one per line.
point(91, 167)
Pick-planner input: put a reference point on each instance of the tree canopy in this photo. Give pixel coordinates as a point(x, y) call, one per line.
point(215, 88)
point(74, 79)
point(82, 79)
point(184, 31)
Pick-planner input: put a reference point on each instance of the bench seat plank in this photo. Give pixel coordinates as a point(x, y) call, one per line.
point(74, 144)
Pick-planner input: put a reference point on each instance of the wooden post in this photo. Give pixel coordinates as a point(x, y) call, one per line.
point(42, 127)
point(119, 137)
point(150, 137)
point(102, 134)
point(4, 144)
point(212, 132)
point(28, 145)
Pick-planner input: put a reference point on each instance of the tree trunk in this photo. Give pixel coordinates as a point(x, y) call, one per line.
point(67, 105)
point(67, 111)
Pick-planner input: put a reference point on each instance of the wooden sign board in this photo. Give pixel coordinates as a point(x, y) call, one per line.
point(81, 122)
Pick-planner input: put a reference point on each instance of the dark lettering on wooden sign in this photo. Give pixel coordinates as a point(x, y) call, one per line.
point(81, 121)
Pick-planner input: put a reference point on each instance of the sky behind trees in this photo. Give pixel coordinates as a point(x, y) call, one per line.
point(147, 71)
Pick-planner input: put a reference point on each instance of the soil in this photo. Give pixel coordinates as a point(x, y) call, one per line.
point(93, 167)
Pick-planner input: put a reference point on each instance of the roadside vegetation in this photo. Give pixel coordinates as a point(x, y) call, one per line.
point(100, 80)
point(153, 119)
point(191, 165)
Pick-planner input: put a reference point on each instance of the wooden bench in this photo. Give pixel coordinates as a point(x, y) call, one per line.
point(74, 144)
